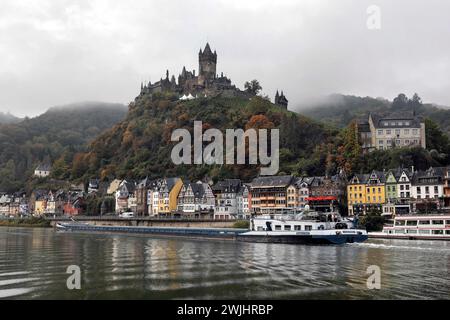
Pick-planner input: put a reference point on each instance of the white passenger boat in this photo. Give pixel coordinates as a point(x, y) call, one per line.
point(307, 227)
point(417, 227)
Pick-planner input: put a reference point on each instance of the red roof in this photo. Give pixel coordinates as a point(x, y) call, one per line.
point(321, 198)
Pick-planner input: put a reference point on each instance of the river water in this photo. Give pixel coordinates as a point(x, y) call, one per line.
point(33, 264)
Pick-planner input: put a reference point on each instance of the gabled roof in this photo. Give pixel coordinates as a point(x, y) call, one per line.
point(422, 177)
point(228, 185)
point(43, 167)
point(394, 120)
point(307, 180)
point(272, 181)
point(362, 178)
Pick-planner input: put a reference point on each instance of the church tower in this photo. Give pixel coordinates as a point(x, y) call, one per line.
point(207, 64)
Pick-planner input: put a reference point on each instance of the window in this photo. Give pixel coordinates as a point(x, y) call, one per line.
point(388, 131)
point(399, 223)
point(287, 228)
point(308, 228)
point(411, 223)
point(415, 131)
point(427, 190)
point(380, 132)
point(298, 228)
point(380, 142)
point(438, 221)
point(436, 190)
point(277, 227)
point(419, 190)
point(406, 131)
point(438, 231)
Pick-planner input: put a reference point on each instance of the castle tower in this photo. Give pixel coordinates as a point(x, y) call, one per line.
point(207, 64)
point(281, 100)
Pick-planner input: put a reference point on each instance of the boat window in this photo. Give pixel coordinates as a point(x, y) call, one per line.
point(438, 221)
point(447, 221)
point(411, 223)
point(438, 231)
point(298, 228)
point(447, 231)
point(277, 227)
point(400, 223)
point(402, 231)
point(424, 231)
point(424, 222)
point(412, 231)
point(308, 228)
point(287, 228)
point(260, 229)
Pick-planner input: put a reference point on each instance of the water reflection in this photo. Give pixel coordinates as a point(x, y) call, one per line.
point(33, 264)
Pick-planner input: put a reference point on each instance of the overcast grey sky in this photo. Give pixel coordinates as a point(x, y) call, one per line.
point(54, 52)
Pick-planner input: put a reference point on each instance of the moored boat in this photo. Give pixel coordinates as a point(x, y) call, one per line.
point(417, 227)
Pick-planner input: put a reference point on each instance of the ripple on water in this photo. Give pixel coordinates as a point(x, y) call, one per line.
point(126, 267)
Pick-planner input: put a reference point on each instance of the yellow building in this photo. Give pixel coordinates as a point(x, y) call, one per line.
point(356, 193)
point(366, 192)
point(39, 207)
point(292, 196)
point(168, 195)
point(376, 188)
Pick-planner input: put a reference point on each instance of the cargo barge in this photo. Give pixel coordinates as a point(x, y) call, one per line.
point(305, 228)
point(217, 233)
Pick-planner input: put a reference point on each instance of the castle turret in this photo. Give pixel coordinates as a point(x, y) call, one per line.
point(281, 100)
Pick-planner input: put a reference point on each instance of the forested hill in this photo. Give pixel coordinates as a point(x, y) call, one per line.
point(58, 133)
point(340, 110)
point(6, 118)
point(140, 145)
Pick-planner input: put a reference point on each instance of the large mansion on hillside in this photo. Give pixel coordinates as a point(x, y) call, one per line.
point(394, 130)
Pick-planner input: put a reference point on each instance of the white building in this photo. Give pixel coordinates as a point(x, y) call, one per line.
point(304, 190)
point(243, 200)
point(196, 198)
point(404, 188)
point(428, 184)
point(226, 192)
point(42, 170)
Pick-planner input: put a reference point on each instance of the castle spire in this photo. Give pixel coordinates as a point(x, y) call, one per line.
point(167, 74)
point(207, 49)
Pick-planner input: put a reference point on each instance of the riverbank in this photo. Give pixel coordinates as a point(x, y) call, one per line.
point(26, 223)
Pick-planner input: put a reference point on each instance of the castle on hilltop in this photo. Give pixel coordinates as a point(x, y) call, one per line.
point(206, 83)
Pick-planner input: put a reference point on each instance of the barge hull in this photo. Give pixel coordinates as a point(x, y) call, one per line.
point(303, 239)
point(210, 233)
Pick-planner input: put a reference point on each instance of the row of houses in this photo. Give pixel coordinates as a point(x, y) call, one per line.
point(227, 199)
point(390, 192)
point(399, 191)
point(43, 202)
